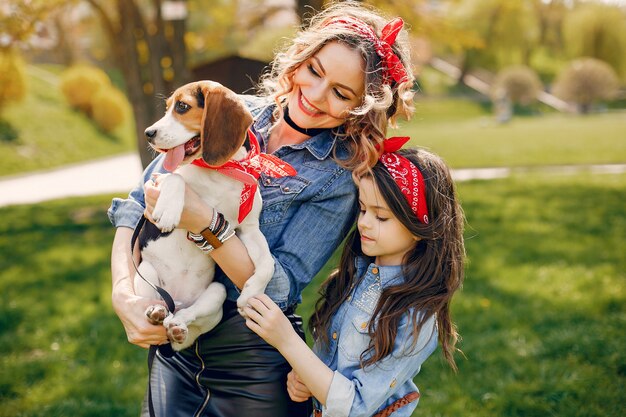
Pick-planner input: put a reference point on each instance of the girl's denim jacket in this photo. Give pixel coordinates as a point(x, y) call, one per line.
point(304, 217)
point(356, 391)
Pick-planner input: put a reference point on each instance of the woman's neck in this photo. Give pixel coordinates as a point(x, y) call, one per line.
point(282, 134)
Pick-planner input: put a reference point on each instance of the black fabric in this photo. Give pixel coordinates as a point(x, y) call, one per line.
point(309, 132)
point(228, 372)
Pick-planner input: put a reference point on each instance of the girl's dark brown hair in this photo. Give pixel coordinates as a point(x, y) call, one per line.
point(433, 269)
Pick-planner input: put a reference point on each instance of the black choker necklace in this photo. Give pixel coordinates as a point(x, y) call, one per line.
point(294, 126)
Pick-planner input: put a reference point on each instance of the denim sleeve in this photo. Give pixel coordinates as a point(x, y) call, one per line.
point(364, 391)
point(126, 212)
point(310, 238)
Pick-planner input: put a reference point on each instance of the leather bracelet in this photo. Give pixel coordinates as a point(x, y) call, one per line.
point(208, 235)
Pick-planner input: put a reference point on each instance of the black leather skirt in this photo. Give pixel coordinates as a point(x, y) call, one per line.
point(228, 372)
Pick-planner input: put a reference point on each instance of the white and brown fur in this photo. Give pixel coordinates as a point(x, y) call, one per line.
point(213, 122)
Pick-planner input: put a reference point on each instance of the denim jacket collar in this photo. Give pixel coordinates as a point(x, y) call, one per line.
point(389, 275)
point(320, 145)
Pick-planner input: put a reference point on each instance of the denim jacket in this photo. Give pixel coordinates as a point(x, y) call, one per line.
point(304, 217)
point(356, 391)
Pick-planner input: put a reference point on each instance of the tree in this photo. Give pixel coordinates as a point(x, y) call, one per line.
point(507, 31)
point(597, 31)
point(150, 52)
point(586, 81)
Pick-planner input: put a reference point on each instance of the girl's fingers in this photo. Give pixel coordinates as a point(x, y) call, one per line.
point(253, 314)
point(257, 304)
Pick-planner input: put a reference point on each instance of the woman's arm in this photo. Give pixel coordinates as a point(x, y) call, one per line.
point(129, 307)
point(267, 320)
point(232, 256)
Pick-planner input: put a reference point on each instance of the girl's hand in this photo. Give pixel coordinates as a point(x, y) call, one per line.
point(269, 322)
point(196, 216)
point(298, 392)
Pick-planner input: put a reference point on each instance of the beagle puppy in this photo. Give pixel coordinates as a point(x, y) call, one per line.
point(203, 120)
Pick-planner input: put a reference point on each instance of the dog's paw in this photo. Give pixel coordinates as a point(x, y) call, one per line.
point(156, 313)
point(176, 331)
point(251, 288)
point(166, 219)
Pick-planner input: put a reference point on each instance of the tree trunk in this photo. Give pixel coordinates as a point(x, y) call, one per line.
point(142, 71)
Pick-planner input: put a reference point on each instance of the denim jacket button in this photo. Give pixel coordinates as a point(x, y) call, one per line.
point(374, 270)
point(363, 325)
point(267, 181)
point(286, 189)
point(334, 335)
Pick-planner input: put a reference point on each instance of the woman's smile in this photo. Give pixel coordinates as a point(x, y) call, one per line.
point(307, 107)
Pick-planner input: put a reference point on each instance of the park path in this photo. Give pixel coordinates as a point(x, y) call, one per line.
point(119, 174)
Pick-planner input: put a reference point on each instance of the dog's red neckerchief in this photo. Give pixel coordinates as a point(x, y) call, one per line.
point(406, 175)
point(248, 170)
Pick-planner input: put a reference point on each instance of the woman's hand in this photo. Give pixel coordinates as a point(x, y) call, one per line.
point(298, 392)
point(131, 309)
point(196, 215)
point(267, 320)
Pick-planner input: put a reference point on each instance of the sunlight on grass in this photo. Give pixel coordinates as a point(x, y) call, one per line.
point(51, 134)
point(553, 139)
point(542, 311)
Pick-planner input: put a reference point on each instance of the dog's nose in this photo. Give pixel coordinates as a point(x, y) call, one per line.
point(150, 133)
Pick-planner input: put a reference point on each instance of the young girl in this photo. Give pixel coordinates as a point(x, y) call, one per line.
point(383, 311)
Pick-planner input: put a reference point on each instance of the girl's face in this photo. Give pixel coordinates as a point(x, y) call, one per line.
point(327, 86)
point(382, 234)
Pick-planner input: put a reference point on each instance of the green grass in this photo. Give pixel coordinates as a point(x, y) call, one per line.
point(542, 311)
point(472, 140)
point(51, 134)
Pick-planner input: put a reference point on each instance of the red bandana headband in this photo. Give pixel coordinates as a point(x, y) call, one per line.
point(392, 66)
point(248, 170)
point(406, 175)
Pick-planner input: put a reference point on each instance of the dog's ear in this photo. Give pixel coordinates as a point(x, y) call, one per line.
point(224, 124)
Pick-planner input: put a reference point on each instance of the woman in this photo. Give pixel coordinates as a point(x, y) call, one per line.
point(326, 107)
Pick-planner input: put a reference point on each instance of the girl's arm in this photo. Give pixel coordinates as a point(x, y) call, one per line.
point(363, 392)
point(269, 322)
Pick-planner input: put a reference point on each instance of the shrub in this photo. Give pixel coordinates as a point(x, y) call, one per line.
point(520, 84)
point(586, 81)
point(80, 84)
point(109, 107)
point(12, 78)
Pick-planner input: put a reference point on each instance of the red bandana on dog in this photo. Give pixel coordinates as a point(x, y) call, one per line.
point(393, 68)
point(406, 175)
point(248, 170)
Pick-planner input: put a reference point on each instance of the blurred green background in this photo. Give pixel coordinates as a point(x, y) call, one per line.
point(501, 84)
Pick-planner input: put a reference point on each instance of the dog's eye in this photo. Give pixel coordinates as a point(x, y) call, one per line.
point(181, 107)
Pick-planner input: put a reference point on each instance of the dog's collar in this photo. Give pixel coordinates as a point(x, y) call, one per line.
point(248, 170)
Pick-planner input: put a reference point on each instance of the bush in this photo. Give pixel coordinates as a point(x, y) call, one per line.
point(109, 107)
point(520, 84)
point(586, 81)
point(80, 84)
point(12, 78)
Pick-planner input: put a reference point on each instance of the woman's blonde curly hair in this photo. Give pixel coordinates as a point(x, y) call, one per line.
point(382, 104)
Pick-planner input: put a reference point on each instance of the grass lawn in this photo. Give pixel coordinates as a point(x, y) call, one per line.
point(466, 135)
point(542, 311)
point(50, 134)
